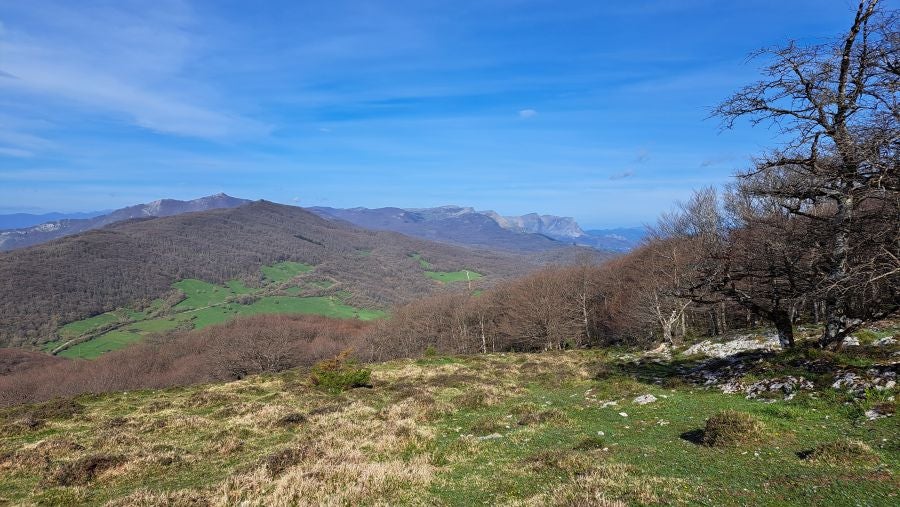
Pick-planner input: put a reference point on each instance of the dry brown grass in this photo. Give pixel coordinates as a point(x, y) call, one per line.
point(614, 485)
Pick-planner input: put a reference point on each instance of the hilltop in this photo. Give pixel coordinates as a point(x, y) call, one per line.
point(565, 428)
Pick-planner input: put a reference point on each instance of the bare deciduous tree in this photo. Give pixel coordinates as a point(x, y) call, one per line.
point(837, 104)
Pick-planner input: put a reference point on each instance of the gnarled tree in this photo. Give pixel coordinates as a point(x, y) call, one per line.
point(836, 104)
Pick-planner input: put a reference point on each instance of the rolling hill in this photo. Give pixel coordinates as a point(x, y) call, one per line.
point(134, 263)
point(57, 228)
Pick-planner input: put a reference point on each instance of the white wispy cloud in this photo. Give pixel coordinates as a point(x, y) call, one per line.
point(527, 113)
point(129, 61)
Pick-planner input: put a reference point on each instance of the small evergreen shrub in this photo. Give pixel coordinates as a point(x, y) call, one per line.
point(340, 373)
point(731, 428)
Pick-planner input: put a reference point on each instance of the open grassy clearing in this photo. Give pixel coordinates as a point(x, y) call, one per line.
point(463, 275)
point(453, 276)
point(284, 271)
point(206, 304)
point(506, 429)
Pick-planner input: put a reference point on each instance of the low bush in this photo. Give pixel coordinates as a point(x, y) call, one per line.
point(731, 428)
point(340, 373)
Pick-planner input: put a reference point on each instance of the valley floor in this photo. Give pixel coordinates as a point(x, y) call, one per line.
point(568, 428)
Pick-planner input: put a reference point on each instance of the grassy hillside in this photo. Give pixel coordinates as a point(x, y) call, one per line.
point(515, 429)
point(205, 304)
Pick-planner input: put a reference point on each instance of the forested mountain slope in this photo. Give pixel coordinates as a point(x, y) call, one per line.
point(46, 286)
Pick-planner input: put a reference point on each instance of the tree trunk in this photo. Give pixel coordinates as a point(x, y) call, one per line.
point(835, 320)
point(785, 328)
point(483, 337)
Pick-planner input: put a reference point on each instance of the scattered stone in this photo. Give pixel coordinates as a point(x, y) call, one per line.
point(874, 414)
point(623, 414)
point(850, 341)
point(787, 386)
point(608, 404)
point(492, 436)
point(887, 341)
point(730, 348)
point(644, 399)
point(879, 378)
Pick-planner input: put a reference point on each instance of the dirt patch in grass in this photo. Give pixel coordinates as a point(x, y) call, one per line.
point(731, 428)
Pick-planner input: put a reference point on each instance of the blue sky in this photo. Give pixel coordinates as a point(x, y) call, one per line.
point(590, 109)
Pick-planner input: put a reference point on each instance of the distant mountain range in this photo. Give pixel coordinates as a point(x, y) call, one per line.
point(531, 233)
point(487, 229)
point(34, 234)
point(22, 220)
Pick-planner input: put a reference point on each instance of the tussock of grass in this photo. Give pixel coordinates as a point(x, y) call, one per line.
point(842, 452)
point(530, 415)
point(84, 470)
point(590, 443)
point(731, 428)
point(487, 426)
point(291, 419)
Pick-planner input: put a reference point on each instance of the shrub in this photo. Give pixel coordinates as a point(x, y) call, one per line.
point(730, 428)
point(842, 451)
point(340, 373)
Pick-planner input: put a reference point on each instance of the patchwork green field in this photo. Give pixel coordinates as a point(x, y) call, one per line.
point(569, 428)
point(205, 304)
point(463, 275)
